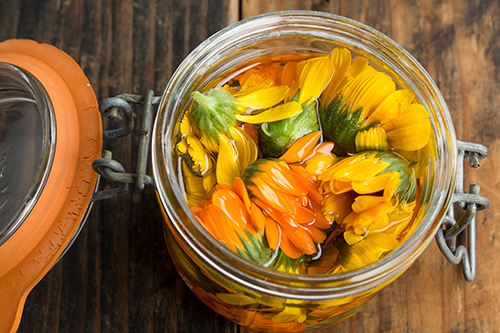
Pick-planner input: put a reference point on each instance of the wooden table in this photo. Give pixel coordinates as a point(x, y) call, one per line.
point(118, 276)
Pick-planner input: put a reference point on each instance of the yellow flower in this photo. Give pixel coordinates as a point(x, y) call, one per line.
point(372, 184)
point(358, 98)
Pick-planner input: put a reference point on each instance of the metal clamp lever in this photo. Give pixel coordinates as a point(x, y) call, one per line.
point(113, 108)
point(471, 202)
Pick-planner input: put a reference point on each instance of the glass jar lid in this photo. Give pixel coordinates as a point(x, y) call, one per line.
point(50, 132)
point(27, 140)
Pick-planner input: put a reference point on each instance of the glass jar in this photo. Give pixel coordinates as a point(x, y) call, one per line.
point(253, 295)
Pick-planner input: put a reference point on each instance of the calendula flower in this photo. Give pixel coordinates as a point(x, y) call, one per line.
point(283, 196)
point(360, 97)
point(213, 113)
point(374, 183)
point(226, 217)
point(214, 119)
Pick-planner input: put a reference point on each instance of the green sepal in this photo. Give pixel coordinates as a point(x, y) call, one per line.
point(256, 249)
point(340, 126)
point(286, 264)
point(276, 137)
point(406, 189)
point(213, 112)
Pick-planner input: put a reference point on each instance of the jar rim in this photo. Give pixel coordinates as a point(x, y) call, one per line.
point(278, 283)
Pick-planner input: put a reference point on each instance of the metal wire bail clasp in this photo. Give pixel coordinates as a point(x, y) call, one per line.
point(470, 202)
point(117, 109)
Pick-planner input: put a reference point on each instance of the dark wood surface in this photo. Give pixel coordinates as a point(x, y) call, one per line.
point(118, 276)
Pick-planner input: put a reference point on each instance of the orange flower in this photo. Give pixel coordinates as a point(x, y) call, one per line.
point(227, 217)
point(284, 196)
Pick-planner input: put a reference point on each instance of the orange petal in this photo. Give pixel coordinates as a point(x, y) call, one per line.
point(288, 247)
point(258, 218)
point(316, 234)
point(241, 190)
point(302, 240)
point(272, 233)
point(301, 147)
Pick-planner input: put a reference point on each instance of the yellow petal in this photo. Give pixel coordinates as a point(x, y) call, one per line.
point(228, 166)
point(193, 186)
point(209, 180)
point(391, 186)
point(211, 146)
point(360, 171)
point(364, 202)
point(372, 139)
point(185, 125)
point(358, 65)
point(263, 98)
point(245, 146)
point(202, 162)
point(368, 89)
point(290, 314)
point(411, 131)
point(341, 59)
point(372, 185)
point(339, 187)
point(351, 237)
point(337, 207)
point(391, 107)
point(316, 165)
point(381, 242)
point(280, 112)
point(315, 75)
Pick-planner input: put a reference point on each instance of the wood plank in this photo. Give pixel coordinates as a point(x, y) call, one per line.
point(118, 275)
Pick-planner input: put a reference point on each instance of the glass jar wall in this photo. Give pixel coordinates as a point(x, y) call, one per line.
point(253, 295)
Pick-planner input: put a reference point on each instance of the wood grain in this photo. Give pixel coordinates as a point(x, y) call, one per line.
point(118, 277)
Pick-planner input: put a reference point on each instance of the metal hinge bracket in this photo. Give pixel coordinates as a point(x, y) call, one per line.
point(470, 202)
point(117, 109)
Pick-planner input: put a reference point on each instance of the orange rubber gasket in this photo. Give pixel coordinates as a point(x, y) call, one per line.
point(33, 249)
